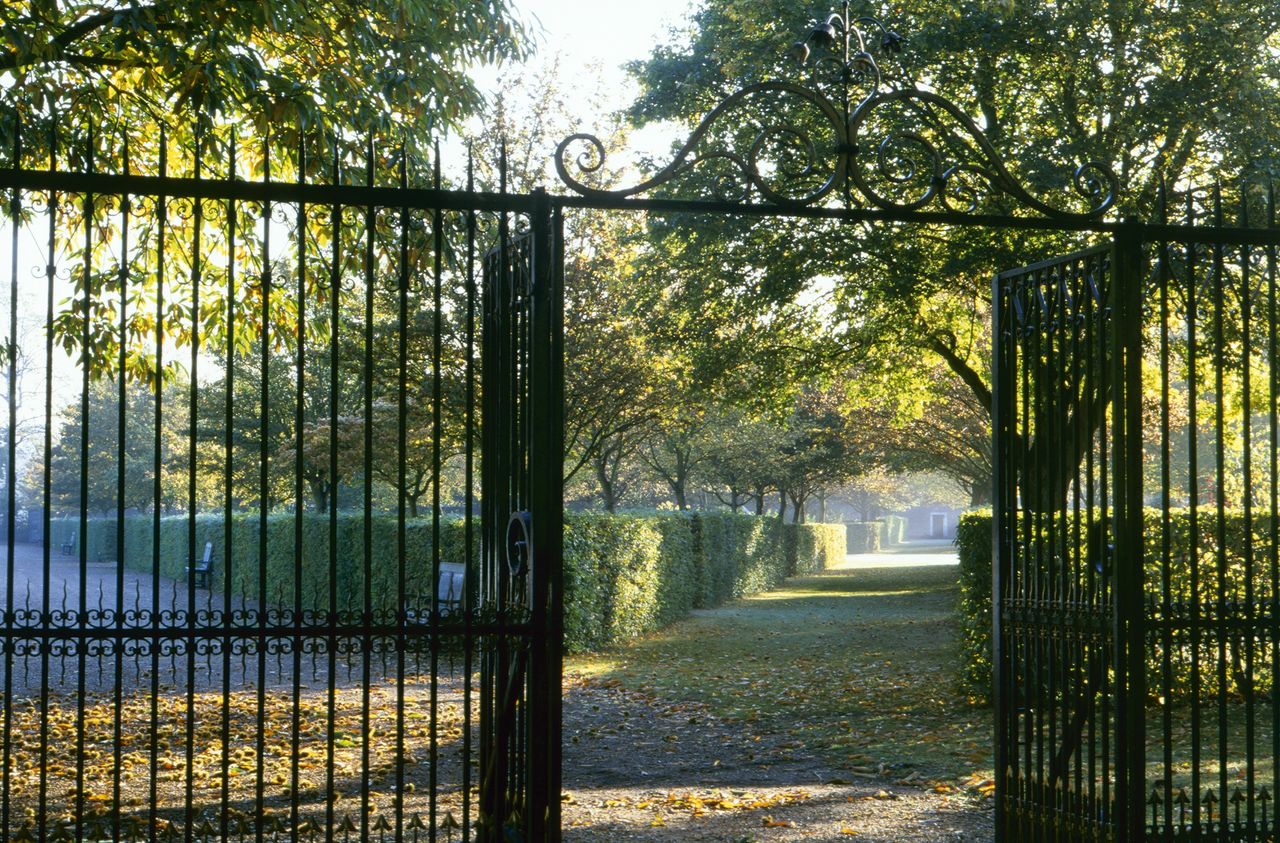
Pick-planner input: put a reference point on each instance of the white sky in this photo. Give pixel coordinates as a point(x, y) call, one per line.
point(592, 42)
point(607, 32)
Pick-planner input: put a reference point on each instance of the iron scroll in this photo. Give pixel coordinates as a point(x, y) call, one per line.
point(859, 140)
point(519, 543)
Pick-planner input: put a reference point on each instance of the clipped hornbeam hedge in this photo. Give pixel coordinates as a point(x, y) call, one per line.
point(894, 531)
point(1242, 569)
point(864, 536)
point(625, 575)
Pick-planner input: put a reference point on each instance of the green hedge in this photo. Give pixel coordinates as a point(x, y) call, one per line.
point(864, 536)
point(894, 531)
point(973, 543)
point(814, 547)
point(625, 575)
point(175, 553)
point(1230, 567)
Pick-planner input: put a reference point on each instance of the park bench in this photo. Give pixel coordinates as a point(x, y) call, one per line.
point(451, 587)
point(69, 546)
point(450, 591)
point(198, 570)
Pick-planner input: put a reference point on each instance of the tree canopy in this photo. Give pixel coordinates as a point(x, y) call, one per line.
point(362, 65)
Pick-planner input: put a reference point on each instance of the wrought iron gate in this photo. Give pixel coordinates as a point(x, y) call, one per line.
point(1135, 580)
point(289, 568)
point(1068, 520)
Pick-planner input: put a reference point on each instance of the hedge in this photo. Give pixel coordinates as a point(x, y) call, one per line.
point(864, 536)
point(973, 540)
point(625, 575)
point(894, 531)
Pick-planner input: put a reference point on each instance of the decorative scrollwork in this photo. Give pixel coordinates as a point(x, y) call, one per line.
point(782, 162)
point(846, 136)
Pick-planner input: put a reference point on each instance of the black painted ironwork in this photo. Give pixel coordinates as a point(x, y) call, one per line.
point(846, 137)
point(1065, 518)
point(1135, 593)
point(343, 385)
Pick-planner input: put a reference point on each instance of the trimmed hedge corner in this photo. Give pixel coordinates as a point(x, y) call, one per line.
point(864, 536)
point(625, 575)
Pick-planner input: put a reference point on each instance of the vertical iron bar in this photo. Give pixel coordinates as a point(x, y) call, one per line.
point(1164, 278)
point(1130, 644)
point(228, 502)
point(263, 612)
point(335, 328)
point(157, 491)
point(82, 641)
point(471, 577)
point(1003, 495)
point(367, 619)
point(42, 810)
point(299, 500)
point(437, 434)
point(197, 229)
point(121, 504)
point(402, 449)
point(11, 487)
point(1193, 540)
point(1250, 612)
point(1273, 424)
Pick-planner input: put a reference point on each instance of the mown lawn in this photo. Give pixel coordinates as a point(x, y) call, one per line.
point(854, 666)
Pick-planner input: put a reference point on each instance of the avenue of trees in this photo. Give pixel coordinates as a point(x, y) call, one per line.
point(720, 361)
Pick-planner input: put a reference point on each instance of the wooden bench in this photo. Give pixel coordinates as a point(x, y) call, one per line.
point(199, 569)
point(68, 547)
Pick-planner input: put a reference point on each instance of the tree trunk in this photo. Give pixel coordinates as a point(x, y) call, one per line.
point(980, 494)
point(822, 507)
point(759, 501)
point(797, 509)
point(606, 477)
point(677, 492)
point(320, 494)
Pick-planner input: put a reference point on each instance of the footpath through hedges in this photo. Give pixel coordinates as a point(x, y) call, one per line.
point(625, 575)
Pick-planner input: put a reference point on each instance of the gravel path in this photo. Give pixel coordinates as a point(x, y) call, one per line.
point(641, 767)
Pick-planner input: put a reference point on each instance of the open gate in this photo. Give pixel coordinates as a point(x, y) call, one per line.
point(291, 560)
point(291, 570)
point(1068, 521)
point(1136, 564)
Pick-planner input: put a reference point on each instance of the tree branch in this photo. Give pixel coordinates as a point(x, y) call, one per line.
point(963, 370)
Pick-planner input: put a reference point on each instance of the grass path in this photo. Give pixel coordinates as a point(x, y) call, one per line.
point(843, 679)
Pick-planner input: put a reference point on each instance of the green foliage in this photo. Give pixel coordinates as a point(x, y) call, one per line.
point(176, 549)
point(357, 64)
point(864, 536)
point(973, 543)
point(894, 531)
point(629, 575)
point(814, 547)
point(1231, 564)
point(625, 575)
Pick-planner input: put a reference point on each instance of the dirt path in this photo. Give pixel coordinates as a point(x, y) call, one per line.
point(820, 711)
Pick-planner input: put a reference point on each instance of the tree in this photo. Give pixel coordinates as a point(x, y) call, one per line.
point(364, 66)
point(1155, 90)
point(101, 490)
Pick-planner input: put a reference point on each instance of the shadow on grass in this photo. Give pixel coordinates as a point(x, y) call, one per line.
point(849, 669)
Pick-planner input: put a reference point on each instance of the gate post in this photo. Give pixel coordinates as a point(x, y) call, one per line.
point(1003, 502)
point(1127, 562)
point(546, 505)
